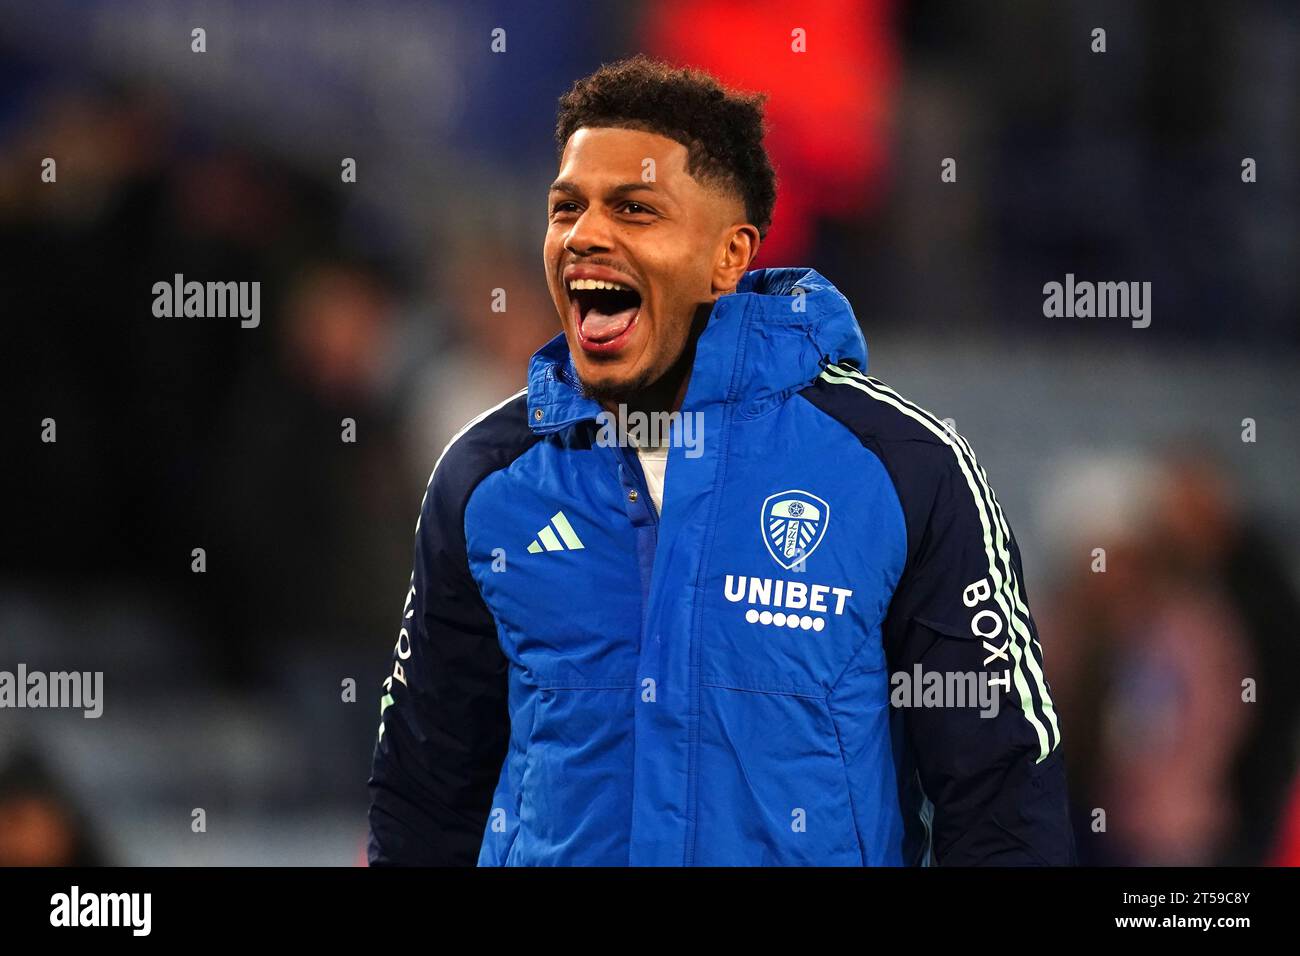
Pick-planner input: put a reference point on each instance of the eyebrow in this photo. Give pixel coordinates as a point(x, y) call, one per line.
point(571, 188)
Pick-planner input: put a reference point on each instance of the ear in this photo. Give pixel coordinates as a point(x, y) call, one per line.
point(739, 246)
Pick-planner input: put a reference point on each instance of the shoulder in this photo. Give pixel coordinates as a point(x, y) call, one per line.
point(871, 409)
point(489, 442)
point(904, 435)
point(932, 466)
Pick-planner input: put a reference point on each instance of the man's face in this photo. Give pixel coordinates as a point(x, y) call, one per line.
point(662, 243)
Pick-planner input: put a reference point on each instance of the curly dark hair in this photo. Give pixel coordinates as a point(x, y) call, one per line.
point(722, 129)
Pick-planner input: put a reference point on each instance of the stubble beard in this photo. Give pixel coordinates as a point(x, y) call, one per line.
point(616, 393)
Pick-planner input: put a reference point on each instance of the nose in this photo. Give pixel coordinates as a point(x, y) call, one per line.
point(589, 234)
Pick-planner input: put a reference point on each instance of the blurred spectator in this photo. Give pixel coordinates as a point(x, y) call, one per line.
point(486, 359)
point(312, 544)
point(1147, 659)
point(1204, 532)
point(1286, 852)
point(39, 826)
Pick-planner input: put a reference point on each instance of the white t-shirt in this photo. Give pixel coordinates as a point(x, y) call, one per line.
point(654, 461)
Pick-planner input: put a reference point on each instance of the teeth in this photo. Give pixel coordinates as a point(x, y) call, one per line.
point(577, 284)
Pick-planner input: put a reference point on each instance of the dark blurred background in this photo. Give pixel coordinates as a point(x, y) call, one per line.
point(224, 690)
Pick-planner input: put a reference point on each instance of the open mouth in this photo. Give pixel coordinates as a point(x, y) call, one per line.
point(604, 312)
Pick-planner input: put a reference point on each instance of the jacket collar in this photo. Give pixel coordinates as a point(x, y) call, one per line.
point(761, 343)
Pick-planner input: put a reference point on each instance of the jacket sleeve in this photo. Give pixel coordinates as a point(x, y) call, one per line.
point(992, 769)
point(444, 722)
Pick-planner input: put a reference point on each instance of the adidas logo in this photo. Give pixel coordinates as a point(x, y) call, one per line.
point(546, 539)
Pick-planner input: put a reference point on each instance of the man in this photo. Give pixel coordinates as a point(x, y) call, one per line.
point(591, 672)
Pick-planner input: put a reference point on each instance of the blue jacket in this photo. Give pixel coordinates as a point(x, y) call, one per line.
point(745, 679)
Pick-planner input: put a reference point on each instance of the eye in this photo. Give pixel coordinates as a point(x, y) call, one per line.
point(563, 206)
point(637, 209)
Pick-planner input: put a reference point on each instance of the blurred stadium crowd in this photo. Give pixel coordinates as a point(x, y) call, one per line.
point(225, 690)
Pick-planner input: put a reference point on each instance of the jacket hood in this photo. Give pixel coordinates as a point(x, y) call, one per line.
point(761, 342)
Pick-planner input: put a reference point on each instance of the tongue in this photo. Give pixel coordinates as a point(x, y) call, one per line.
point(598, 326)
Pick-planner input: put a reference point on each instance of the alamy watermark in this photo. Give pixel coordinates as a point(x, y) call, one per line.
point(208, 300)
point(74, 689)
point(948, 689)
point(1102, 300)
point(129, 910)
point(653, 429)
